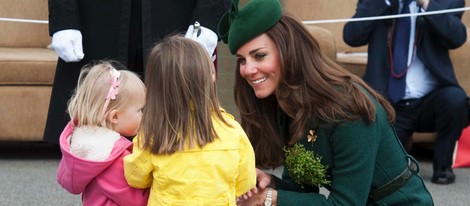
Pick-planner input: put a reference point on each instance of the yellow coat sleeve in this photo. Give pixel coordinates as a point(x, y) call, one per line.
point(138, 167)
point(246, 179)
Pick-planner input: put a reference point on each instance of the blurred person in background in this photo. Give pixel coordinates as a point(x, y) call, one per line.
point(409, 63)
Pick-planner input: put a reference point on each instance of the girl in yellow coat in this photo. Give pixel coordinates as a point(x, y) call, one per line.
point(190, 152)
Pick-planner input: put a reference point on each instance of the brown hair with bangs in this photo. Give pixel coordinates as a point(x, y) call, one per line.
point(181, 97)
point(312, 87)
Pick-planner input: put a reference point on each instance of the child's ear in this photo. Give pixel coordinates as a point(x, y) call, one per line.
point(113, 116)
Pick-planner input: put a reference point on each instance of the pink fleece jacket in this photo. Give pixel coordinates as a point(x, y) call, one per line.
point(100, 182)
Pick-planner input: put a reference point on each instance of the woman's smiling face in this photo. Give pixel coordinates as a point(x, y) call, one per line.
point(259, 65)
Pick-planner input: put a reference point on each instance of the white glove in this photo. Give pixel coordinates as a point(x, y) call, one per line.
point(206, 37)
point(68, 45)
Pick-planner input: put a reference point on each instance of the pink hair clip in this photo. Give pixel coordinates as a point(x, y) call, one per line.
point(113, 89)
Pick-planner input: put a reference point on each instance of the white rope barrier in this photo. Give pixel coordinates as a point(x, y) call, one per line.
point(24, 20)
point(386, 17)
point(305, 22)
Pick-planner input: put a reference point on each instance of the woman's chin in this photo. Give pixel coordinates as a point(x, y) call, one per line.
point(262, 94)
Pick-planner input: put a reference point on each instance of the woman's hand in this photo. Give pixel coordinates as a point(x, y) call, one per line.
point(257, 195)
point(257, 198)
point(263, 179)
point(248, 194)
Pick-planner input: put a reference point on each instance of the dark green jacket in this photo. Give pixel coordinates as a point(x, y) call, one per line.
point(360, 157)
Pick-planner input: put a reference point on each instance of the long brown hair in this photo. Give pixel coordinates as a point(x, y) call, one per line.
point(181, 97)
point(312, 87)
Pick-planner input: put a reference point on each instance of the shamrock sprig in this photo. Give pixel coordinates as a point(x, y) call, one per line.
point(305, 167)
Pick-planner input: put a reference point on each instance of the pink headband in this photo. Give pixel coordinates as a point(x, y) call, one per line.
point(113, 89)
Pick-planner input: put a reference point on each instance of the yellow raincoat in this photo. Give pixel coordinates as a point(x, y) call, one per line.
point(213, 175)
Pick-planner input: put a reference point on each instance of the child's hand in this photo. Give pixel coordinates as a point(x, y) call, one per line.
point(248, 194)
point(258, 198)
point(264, 179)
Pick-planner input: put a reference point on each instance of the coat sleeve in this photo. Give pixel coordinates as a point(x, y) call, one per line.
point(357, 33)
point(116, 188)
point(448, 28)
point(138, 167)
point(247, 172)
point(63, 14)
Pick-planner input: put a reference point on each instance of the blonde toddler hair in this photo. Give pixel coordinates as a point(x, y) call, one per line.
point(86, 107)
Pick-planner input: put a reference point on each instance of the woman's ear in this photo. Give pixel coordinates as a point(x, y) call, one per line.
point(113, 116)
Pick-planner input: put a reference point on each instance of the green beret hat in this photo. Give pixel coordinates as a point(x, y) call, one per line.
point(238, 26)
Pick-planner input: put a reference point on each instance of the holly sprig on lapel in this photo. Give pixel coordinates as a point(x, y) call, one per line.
point(305, 167)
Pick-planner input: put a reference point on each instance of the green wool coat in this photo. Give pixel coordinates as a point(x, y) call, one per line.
point(360, 157)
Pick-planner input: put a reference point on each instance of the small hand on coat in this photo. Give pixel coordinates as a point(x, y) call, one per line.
point(256, 198)
point(68, 45)
point(257, 195)
point(423, 3)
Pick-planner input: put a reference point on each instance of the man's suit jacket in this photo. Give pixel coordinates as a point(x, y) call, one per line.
point(436, 35)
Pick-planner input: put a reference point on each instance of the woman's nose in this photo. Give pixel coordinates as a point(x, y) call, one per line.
point(250, 67)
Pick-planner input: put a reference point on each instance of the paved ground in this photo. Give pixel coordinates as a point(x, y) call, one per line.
point(27, 177)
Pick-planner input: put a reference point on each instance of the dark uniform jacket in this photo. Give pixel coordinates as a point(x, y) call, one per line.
point(122, 30)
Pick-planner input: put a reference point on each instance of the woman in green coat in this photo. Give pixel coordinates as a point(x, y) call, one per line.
point(311, 122)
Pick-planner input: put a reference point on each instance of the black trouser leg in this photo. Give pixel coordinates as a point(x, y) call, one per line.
point(445, 112)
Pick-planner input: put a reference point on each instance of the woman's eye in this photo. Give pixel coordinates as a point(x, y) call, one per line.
point(241, 61)
point(260, 56)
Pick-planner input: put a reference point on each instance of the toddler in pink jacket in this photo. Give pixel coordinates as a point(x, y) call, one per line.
point(105, 109)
